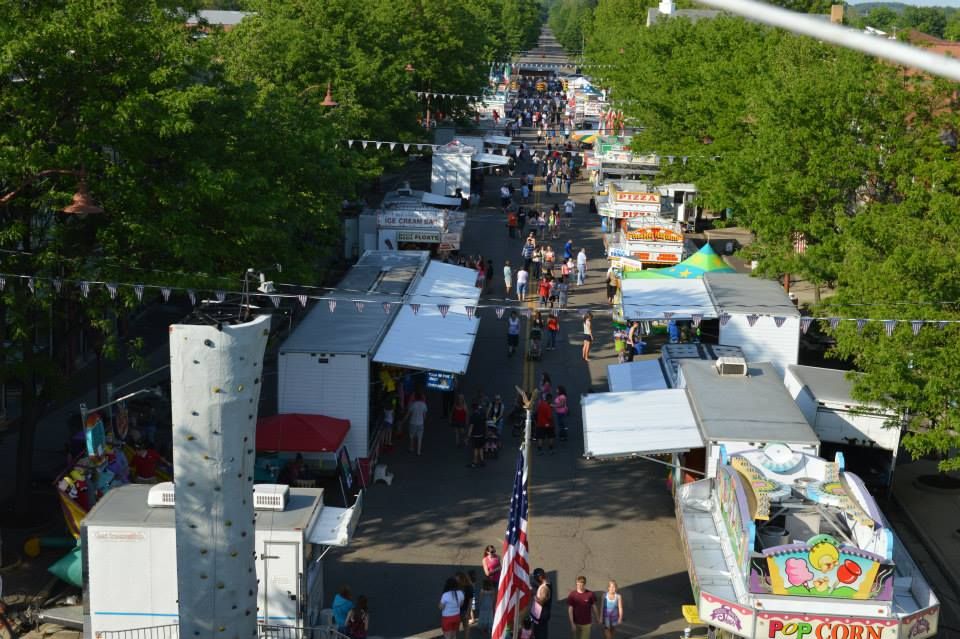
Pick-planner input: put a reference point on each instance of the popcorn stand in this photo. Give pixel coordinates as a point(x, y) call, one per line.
point(782, 544)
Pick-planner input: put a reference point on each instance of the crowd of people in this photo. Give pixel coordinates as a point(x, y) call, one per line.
point(468, 603)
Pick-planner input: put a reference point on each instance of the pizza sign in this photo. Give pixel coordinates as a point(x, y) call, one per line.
point(635, 196)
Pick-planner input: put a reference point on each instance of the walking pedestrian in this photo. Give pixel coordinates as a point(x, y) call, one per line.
point(611, 280)
point(581, 266)
point(543, 290)
point(587, 335)
point(485, 602)
point(416, 417)
point(342, 605)
point(581, 609)
point(553, 328)
point(521, 221)
point(488, 277)
point(563, 291)
point(511, 224)
point(450, 602)
point(611, 610)
point(458, 421)
point(522, 277)
point(536, 261)
point(561, 409)
point(542, 604)
point(466, 587)
point(513, 330)
point(545, 423)
point(568, 208)
point(495, 413)
point(505, 198)
point(507, 278)
point(491, 564)
point(549, 257)
point(477, 435)
point(358, 619)
point(529, 247)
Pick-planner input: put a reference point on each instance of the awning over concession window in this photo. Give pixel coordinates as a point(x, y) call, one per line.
point(638, 423)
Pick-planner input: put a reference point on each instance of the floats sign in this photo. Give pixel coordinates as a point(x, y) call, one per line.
point(816, 627)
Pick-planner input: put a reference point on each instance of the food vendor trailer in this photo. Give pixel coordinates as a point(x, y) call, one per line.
point(782, 544)
point(325, 364)
point(779, 543)
point(868, 434)
point(129, 545)
point(452, 169)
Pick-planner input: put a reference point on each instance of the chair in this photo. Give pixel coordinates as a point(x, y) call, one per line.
point(304, 483)
point(380, 474)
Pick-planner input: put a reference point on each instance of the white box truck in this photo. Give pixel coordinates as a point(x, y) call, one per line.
point(129, 556)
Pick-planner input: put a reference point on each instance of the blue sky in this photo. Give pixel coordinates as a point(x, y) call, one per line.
point(921, 3)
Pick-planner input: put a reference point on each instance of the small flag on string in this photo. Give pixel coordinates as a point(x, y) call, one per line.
point(805, 323)
point(752, 319)
point(393, 145)
point(331, 304)
point(138, 291)
point(860, 324)
point(302, 299)
point(724, 318)
point(112, 289)
point(32, 286)
point(276, 300)
point(779, 320)
point(3, 283)
point(415, 308)
point(378, 145)
point(668, 315)
point(499, 312)
point(84, 288)
point(942, 324)
point(165, 291)
point(696, 318)
point(57, 284)
point(670, 159)
point(555, 312)
point(193, 296)
point(406, 147)
point(358, 305)
point(420, 147)
point(888, 326)
point(221, 296)
point(443, 308)
point(834, 322)
point(469, 310)
point(386, 308)
point(915, 326)
point(363, 143)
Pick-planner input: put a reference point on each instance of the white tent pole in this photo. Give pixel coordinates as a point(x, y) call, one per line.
point(828, 32)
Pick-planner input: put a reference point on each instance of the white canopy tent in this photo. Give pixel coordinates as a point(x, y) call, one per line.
point(633, 376)
point(650, 299)
point(491, 158)
point(427, 340)
point(638, 423)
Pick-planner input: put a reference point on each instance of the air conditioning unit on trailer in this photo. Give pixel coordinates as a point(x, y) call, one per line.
point(732, 366)
point(265, 496)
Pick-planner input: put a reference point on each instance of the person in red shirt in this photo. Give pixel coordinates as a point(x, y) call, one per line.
point(545, 424)
point(582, 610)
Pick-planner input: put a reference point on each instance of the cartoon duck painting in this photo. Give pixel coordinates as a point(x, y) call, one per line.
point(824, 556)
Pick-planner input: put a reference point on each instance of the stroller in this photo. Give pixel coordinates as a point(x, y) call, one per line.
point(491, 447)
point(536, 347)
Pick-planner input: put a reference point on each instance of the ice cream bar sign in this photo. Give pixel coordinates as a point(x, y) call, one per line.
point(774, 626)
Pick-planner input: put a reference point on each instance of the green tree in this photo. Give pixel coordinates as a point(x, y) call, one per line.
point(882, 18)
point(929, 20)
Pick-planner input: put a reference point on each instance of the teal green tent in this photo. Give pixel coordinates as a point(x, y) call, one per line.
point(703, 261)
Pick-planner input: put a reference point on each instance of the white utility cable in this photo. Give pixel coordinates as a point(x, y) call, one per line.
point(806, 24)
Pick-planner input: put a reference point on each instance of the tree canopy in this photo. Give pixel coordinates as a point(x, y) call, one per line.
point(210, 152)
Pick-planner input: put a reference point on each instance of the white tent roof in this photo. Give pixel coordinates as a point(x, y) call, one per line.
point(499, 140)
point(491, 158)
point(632, 376)
point(650, 299)
point(440, 200)
point(638, 423)
point(427, 340)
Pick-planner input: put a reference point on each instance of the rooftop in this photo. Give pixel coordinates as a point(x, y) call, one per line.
point(827, 384)
point(741, 293)
point(357, 322)
point(752, 408)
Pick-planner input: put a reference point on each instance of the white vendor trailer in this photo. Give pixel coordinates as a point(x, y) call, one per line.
point(129, 556)
point(867, 434)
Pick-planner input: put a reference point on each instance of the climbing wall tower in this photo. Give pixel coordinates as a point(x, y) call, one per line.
point(215, 379)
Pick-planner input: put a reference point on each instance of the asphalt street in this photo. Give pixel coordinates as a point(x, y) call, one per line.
point(604, 520)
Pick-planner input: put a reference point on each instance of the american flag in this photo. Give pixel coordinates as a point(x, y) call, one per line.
point(514, 590)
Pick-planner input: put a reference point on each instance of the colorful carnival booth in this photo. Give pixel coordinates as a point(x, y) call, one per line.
point(779, 542)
